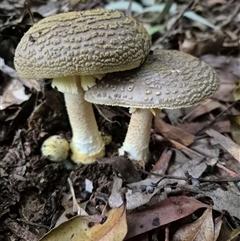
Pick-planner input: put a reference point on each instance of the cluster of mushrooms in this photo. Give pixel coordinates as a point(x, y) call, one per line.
point(103, 57)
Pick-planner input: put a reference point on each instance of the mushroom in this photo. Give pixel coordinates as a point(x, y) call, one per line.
point(55, 148)
point(167, 79)
point(74, 49)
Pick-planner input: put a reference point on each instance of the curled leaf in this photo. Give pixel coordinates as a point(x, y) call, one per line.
point(81, 228)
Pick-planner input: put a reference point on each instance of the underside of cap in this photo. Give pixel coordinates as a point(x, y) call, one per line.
point(89, 42)
point(167, 79)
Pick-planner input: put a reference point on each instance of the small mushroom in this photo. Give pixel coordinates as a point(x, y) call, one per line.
point(167, 79)
point(74, 49)
point(55, 148)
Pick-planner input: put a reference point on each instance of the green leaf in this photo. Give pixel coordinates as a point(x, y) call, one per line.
point(123, 5)
point(195, 17)
point(154, 29)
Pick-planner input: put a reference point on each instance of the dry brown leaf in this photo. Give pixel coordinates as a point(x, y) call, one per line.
point(235, 128)
point(228, 200)
point(115, 200)
point(217, 227)
point(164, 212)
point(226, 65)
point(236, 92)
point(226, 143)
point(124, 167)
point(79, 228)
point(228, 233)
point(214, 2)
point(200, 43)
point(173, 132)
point(135, 197)
point(203, 147)
point(203, 108)
point(228, 72)
point(195, 127)
point(14, 94)
point(224, 92)
point(141, 237)
point(201, 229)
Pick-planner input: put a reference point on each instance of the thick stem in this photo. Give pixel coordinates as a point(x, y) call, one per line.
point(138, 136)
point(87, 143)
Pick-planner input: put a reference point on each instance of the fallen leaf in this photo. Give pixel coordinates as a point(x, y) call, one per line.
point(225, 64)
point(173, 132)
point(124, 167)
point(201, 42)
point(124, 5)
point(14, 94)
point(31, 84)
point(225, 90)
point(218, 222)
point(235, 128)
point(156, 28)
point(80, 228)
point(234, 235)
point(226, 143)
point(225, 200)
point(214, 2)
point(195, 17)
point(173, 115)
point(135, 195)
point(22, 116)
point(140, 237)
point(236, 92)
point(115, 199)
point(203, 108)
point(201, 229)
point(166, 211)
point(202, 146)
point(225, 232)
point(195, 127)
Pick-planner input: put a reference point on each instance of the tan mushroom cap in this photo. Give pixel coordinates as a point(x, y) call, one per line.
point(81, 43)
point(167, 79)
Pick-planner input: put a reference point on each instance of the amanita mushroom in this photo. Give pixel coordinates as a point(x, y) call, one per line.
point(167, 79)
point(55, 148)
point(74, 49)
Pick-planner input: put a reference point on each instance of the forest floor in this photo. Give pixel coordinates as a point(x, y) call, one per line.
point(199, 146)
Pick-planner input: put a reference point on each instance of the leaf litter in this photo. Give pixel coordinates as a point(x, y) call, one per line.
point(189, 189)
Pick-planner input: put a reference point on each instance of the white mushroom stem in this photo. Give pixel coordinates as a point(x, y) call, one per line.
point(138, 136)
point(86, 144)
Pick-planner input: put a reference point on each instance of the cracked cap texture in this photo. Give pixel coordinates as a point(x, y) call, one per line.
point(167, 79)
point(81, 43)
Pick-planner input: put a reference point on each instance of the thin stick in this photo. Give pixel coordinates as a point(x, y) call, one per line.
point(226, 179)
point(26, 4)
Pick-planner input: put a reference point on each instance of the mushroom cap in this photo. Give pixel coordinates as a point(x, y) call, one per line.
point(55, 148)
point(89, 42)
point(167, 79)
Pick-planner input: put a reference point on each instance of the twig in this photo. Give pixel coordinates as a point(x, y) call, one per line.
point(76, 207)
point(175, 22)
point(33, 224)
point(179, 145)
point(226, 179)
point(231, 17)
point(160, 17)
point(167, 232)
point(213, 121)
point(229, 172)
point(105, 118)
point(26, 4)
